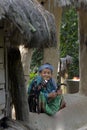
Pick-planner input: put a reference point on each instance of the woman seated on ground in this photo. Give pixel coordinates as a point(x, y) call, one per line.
point(43, 93)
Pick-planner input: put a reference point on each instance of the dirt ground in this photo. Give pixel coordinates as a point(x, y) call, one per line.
point(73, 117)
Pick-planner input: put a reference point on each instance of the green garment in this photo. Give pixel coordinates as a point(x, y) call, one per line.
point(52, 105)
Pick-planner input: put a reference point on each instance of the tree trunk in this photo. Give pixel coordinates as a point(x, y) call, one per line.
point(18, 90)
point(51, 54)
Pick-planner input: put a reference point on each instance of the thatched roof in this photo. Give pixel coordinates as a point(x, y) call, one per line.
point(76, 3)
point(36, 25)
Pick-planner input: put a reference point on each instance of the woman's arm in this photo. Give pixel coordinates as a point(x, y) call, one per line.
point(52, 95)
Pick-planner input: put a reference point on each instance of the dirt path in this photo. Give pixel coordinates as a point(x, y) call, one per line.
point(73, 117)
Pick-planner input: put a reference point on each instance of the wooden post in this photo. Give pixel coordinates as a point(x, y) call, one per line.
point(18, 90)
point(2, 76)
point(83, 50)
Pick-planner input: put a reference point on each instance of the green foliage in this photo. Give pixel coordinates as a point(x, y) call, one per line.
point(32, 75)
point(36, 59)
point(68, 43)
point(69, 39)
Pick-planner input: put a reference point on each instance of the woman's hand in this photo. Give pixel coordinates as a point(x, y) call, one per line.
point(52, 95)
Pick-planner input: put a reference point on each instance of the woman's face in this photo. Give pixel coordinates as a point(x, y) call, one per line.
point(46, 74)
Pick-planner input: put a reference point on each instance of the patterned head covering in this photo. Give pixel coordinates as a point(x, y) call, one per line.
point(45, 66)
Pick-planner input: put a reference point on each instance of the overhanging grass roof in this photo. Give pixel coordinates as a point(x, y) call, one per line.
point(35, 23)
point(77, 3)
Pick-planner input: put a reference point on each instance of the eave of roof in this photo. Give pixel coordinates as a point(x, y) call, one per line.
point(33, 21)
point(76, 3)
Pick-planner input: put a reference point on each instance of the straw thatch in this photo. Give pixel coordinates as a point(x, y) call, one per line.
point(76, 3)
point(37, 26)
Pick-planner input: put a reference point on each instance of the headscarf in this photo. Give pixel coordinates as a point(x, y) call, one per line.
point(45, 66)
